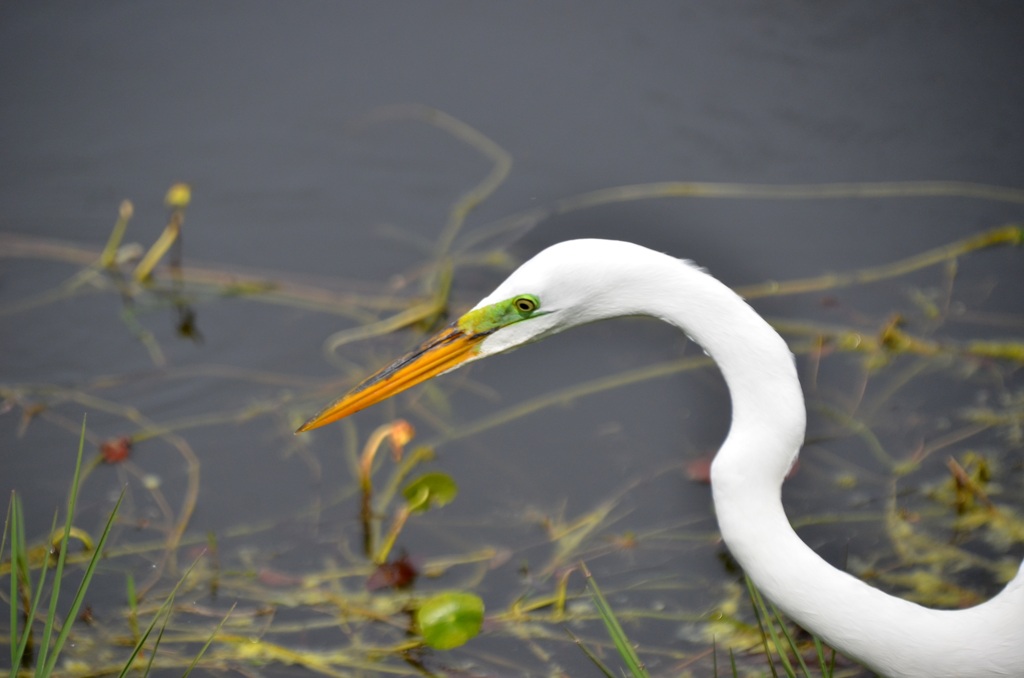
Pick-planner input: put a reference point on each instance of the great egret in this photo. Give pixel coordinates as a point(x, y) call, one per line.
point(581, 281)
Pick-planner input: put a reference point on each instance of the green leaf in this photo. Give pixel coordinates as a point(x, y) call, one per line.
point(448, 620)
point(430, 490)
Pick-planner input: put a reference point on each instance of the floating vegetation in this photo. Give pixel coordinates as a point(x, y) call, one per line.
point(376, 571)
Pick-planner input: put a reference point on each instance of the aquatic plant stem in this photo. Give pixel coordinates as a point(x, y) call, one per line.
point(109, 256)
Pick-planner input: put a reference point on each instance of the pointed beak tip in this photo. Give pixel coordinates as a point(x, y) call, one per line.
point(316, 421)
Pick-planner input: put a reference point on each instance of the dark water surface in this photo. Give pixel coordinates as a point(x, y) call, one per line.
point(281, 118)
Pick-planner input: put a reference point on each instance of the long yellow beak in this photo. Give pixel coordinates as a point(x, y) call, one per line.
point(444, 351)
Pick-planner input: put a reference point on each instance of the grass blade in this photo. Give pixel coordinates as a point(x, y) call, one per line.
point(58, 574)
point(12, 515)
point(165, 613)
point(829, 668)
point(90, 570)
point(156, 643)
point(591, 656)
point(24, 575)
point(618, 636)
point(7, 526)
point(209, 641)
point(789, 639)
point(767, 617)
point(761, 614)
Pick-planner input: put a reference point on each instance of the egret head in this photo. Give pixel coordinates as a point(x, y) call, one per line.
point(567, 284)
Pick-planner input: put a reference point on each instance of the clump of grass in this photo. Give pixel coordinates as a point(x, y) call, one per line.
point(40, 654)
point(54, 634)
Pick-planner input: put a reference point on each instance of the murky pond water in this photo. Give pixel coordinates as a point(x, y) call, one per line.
point(327, 147)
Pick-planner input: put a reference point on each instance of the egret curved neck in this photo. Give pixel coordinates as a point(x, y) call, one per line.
point(768, 412)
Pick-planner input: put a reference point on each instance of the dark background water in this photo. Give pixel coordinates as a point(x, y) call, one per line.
point(263, 107)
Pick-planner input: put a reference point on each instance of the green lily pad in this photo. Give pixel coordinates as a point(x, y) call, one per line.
point(448, 620)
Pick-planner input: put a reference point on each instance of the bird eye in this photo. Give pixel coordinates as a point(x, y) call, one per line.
point(525, 304)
